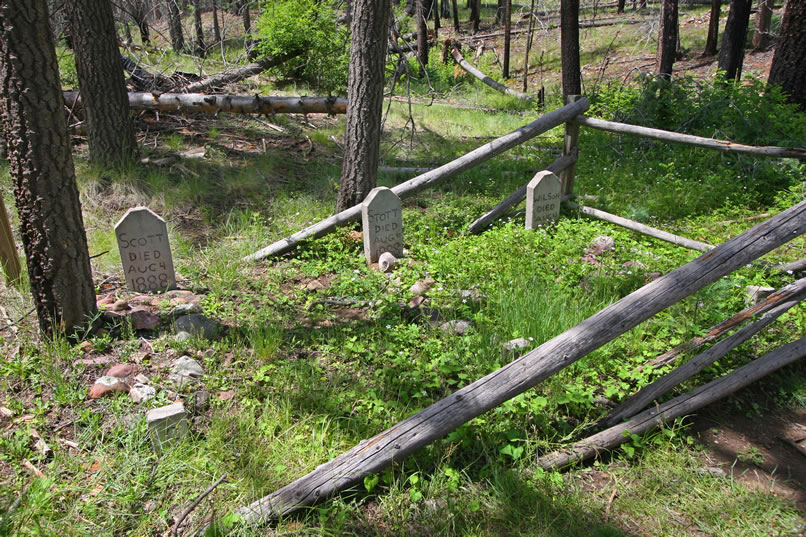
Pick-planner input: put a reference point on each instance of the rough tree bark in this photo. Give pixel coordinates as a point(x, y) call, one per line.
point(731, 55)
point(475, 14)
point(422, 34)
point(761, 35)
point(789, 63)
point(197, 22)
point(569, 45)
point(41, 167)
point(365, 101)
point(455, 16)
point(247, 18)
point(175, 26)
point(667, 40)
point(713, 29)
point(216, 27)
point(138, 10)
point(507, 36)
point(100, 79)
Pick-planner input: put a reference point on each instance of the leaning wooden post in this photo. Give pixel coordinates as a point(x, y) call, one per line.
point(570, 147)
point(375, 454)
point(9, 261)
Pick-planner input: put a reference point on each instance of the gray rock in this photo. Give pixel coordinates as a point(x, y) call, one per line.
point(186, 370)
point(600, 245)
point(166, 424)
point(516, 344)
point(198, 324)
point(457, 327)
point(201, 401)
point(711, 470)
point(421, 287)
point(387, 262)
point(472, 295)
point(757, 293)
point(185, 309)
point(142, 392)
point(183, 336)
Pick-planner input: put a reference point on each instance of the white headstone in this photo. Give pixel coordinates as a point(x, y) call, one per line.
point(145, 251)
point(382, 220)
point(543, 194)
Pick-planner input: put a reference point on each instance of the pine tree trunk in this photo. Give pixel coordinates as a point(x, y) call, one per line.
point(201, 50)
point(789, 63)
point(435, 11)
point(100, 78)
point(41, 168)
point(422, 34)
point(365, 101)
point(446, 9)
point(569, 45)
point(475, 14)
point(732, 54)
point(713, 29)
point(247, 18)
point(175, 26)
point(620, 7)
point(507, 36)
point(761, 36)
point(455, 16)
point(667, 40)
point(216, 27)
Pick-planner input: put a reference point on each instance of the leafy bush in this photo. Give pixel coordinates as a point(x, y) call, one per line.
point(288, 26)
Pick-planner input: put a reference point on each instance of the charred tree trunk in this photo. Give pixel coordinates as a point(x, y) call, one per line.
point(422, 34)
point(569, 45)
point(175, 26)
point(667, 41)
point(201, 50)
point(41, 168)
point(445, 5)
point(455, 16)
point(247, 17)
point(435, 13)
point(789, 63)
point(620, 7)
point(100, 79)
point(761, 36)
point(713, 29)
point(475, 14)
point(365, 101)
point(732, 54)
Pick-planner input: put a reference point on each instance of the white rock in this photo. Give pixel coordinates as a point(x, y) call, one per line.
point(457, 327)
point(516, 344)
point(387, 262)
point(166, 424)
point(142, 392)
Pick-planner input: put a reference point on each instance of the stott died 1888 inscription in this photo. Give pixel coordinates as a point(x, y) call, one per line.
point(382, 220)
point(144, 251)
point(543, 198)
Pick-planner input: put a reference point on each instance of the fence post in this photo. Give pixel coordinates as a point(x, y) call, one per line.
point(570, 146)
point(8, 250)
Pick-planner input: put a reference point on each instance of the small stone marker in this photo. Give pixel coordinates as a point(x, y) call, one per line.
point(543, 194)
point(166, 424)
point(145, 252)
point(382, 220)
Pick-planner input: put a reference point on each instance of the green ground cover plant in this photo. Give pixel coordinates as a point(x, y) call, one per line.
point(297, 380)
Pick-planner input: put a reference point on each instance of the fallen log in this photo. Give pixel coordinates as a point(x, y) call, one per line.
point(794, 266)
point(375, 454)
point(637, 402)
point(486, 79)
point(688, 139)
point(421, 182)
point(795, 289)
point(234, 104)
point(236, 75)
point(518, 196)
point(641, 228)
point(677, 407)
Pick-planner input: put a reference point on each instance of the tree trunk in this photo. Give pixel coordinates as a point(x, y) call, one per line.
point(475, 14)
point(455, 16)
point(362, 131)
point(713, 29)
point(197, 20)
point(246, 15)
point(529, 36)
point(789, 63)
point(422, 35)
point(569, 45)
point(761, 36)
point(236, 75)
point(100, 78)
point(620, 7)
point(507, 36)
point(445, 5)
point(499, 11)
point(139, 13)
point(216, 27)
point(175, 26)
point(732, 54)
point(667, 40)
point(435, 12)
point(41, 168)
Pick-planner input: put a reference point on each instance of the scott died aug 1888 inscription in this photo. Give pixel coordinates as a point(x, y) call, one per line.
point(145, 251)
point(382, 222)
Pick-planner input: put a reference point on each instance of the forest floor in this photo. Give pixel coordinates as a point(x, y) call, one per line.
point(317, 351)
